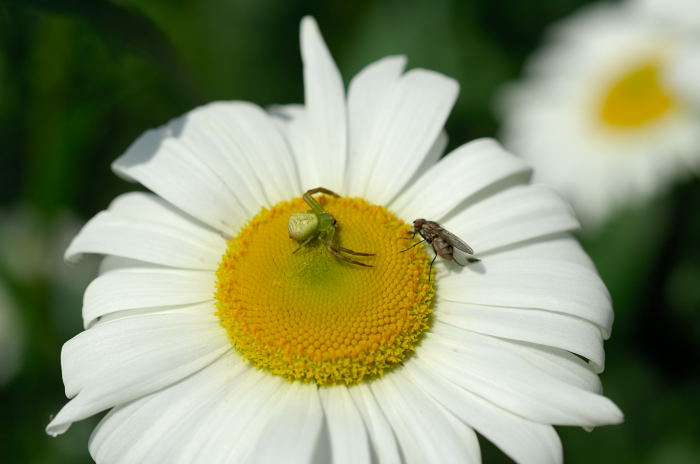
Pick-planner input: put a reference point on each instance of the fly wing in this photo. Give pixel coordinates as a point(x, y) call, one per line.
point(462, 258)
point(455, 241)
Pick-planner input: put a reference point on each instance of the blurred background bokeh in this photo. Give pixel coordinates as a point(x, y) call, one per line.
point(80, 80)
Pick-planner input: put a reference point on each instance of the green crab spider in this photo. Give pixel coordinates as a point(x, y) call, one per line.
point(318, 223)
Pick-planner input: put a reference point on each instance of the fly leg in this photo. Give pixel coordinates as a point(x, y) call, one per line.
point(415, 244)
point(430, 270)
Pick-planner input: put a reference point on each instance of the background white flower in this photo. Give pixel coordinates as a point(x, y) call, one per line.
point(31, 257)
point(515, 345)
point(11, 336)
point(608, 110)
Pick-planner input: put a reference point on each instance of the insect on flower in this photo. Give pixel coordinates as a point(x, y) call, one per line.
point(319, 224)
point(445, 243)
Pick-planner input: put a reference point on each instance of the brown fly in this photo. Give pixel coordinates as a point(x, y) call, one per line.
point(445, 243)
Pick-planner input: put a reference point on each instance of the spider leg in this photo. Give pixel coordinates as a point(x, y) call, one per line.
point(335, 252)
point(417, 243)
point(321, 190)
point(311, 201)
point(304, 243)
point(347, 250)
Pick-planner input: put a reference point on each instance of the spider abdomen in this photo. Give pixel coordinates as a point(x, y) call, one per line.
point(302, 225)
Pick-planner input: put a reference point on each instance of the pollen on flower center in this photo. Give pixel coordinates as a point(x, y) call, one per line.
point(636, 98)
point(307, 315)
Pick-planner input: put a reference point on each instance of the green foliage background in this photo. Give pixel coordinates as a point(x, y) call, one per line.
point(80, 80)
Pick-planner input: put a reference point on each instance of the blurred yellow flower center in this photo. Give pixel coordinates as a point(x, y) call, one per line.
point(309, 316)
point(636, 97)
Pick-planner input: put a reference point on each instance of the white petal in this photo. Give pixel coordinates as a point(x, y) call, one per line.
point(422, 429)
point(366, 92)
point(434, 154)
point(118, 361)
point(683, 71)
point(407, 124)
point(517, 214)
point(405, 432)
point(466, 434)
point(555, 275)
point(673, 15)
point(150, 207)
point(136, 431)
point(557, 246)
point(542, 327)
point(164, 237)
point(384, 446)
point(212, 416)
point(325, 113)
point(246, 411)
point(232, 428)
point(495, 370)
point(247, 150)
point(145, 287)
point(292, 122)
point(108, 233)
point(220, 163)
point(562, 365)
point(558, 363)
point(173, 166)
point(349, 442)
point(294, 427)
point(524, 441)
point(111, 263)
point(463, 172)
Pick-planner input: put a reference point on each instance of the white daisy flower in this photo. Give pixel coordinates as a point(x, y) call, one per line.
point(609, 111)
point(211, 341)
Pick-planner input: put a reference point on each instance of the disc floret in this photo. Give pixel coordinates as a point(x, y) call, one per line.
point(309, 316)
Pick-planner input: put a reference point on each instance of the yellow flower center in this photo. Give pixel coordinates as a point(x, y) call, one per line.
point(636, 98)
point(311, 317)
